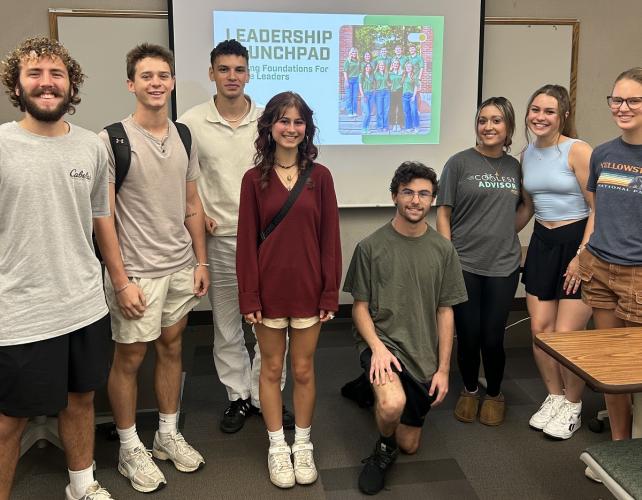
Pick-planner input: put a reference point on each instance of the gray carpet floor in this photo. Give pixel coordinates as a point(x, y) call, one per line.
point(455, 460)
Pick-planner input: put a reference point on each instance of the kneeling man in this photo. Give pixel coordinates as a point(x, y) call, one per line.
point(405, 278)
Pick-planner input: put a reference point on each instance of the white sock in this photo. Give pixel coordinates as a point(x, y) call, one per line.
point(277, 438)
point(128, 438)
point(167, 423)
point(80, 480)
point(302, 436)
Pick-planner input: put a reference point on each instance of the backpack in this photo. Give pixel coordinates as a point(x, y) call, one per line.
point(123, 156)
point(123, 152)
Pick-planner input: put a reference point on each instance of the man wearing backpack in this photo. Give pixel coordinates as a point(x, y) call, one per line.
point(153, 246)
point(224, 129)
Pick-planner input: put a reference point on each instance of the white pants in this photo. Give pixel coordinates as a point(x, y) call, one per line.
point(231, 358)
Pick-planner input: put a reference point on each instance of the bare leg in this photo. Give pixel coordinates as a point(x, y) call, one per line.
point(11, 429)
point(76, 428)
point(169, 365)
point(618, 405)
point(272, 345)
point(408, 438)
point(543, 316)
point(572, 315)
point(122, 385)
point(390, 402)
point(303, 345)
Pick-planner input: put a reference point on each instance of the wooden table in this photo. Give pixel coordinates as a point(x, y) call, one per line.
point(609, 360)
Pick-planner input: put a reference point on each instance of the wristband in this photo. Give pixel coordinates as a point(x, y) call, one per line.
point(579, 250)
point(202, 264)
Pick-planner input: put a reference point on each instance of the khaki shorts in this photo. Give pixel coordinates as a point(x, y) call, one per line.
point(168, 298)
point(298, 323)
point(612, 286)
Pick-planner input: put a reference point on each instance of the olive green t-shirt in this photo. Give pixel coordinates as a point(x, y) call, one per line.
point(404, 280)
point(351, 67)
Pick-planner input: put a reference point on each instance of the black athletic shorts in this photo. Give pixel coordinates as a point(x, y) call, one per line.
point(36, 377)
point(418, 400)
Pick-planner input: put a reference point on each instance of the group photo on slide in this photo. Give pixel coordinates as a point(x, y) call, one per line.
point(386, 80)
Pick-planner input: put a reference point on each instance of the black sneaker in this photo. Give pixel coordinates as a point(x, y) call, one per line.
point(235, 415)
point(371, 479)
point(288, 416)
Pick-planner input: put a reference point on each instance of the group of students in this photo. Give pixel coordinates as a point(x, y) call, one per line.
point(240, 201)
point(584, 258)
point(388, 87)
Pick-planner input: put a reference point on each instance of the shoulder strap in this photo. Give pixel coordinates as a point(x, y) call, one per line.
point(186, 137)
point(122, 151)
point(294, 194)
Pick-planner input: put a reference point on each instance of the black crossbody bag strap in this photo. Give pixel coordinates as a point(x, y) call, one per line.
point(294, 194)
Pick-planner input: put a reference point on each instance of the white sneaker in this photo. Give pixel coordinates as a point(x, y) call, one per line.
point(588, 472)
point(547, 411)
point(305, 471)
point(174, 447)
point(137, 466)
point(93, 492)
point(565, 422)
point(280, 466)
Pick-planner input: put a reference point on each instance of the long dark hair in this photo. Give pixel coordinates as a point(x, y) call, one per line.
point(264, 144)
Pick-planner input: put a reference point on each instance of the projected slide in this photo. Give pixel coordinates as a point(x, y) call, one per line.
point(369, 79)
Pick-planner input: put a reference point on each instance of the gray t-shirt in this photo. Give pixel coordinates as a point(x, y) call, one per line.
point(404, 280)
point(484, 193)
point(616, 179)
point(50, 188)
point(151, 203)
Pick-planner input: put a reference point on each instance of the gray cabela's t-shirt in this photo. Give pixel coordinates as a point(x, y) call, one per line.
point(50, 188)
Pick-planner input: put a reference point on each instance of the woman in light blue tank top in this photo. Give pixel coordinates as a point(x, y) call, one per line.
point(555, 171)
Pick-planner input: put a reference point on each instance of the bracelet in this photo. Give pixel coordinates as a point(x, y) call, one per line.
point(202, 264)
point(579, 250)
point(122, 288)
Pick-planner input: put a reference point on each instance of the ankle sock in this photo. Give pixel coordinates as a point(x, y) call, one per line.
point(389, 441)
point(302, 436)
point(128, 438)
point(277, 438)
point(80, 480)
point(167, 423)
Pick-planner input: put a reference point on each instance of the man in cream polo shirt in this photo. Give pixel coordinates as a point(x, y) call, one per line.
point(224, 129)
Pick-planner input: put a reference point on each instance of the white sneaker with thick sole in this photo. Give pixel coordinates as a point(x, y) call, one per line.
point(588, 472)
point(93, 492)
point(280, 466)
point(547, 411)
point(565, 422)
point(305, 472)
point(174, 447)
point(137, 466)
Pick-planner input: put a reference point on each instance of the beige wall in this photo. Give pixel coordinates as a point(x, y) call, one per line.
point(607, 46)
point(608, 31)
point(23, 18)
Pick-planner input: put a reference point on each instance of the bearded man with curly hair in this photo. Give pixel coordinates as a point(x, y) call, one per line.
point(54, 333)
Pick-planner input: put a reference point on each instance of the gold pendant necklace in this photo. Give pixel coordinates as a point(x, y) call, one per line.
point(498, 169)
point(288, 181)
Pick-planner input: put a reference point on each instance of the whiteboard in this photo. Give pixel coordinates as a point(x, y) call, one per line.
point(99, 41)
point(521, 55)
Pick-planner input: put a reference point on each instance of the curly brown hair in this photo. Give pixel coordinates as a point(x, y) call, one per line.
point(265, 146)
point(36, 48)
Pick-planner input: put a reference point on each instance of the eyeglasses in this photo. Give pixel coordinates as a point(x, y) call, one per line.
point(631, 102)
point(409, 194)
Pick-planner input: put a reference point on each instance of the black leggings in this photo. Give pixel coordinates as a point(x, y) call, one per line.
point(480, 325)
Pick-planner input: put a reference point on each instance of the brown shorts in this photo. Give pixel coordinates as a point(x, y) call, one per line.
point(612, 286)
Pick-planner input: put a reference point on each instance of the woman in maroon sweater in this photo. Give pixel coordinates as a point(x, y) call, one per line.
point(290, 280)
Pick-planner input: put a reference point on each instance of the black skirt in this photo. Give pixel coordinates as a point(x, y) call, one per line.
point(549, 253)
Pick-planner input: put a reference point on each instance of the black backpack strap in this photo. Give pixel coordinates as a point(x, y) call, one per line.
point(122, 152)
point(186, 137)
point(294, 194)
